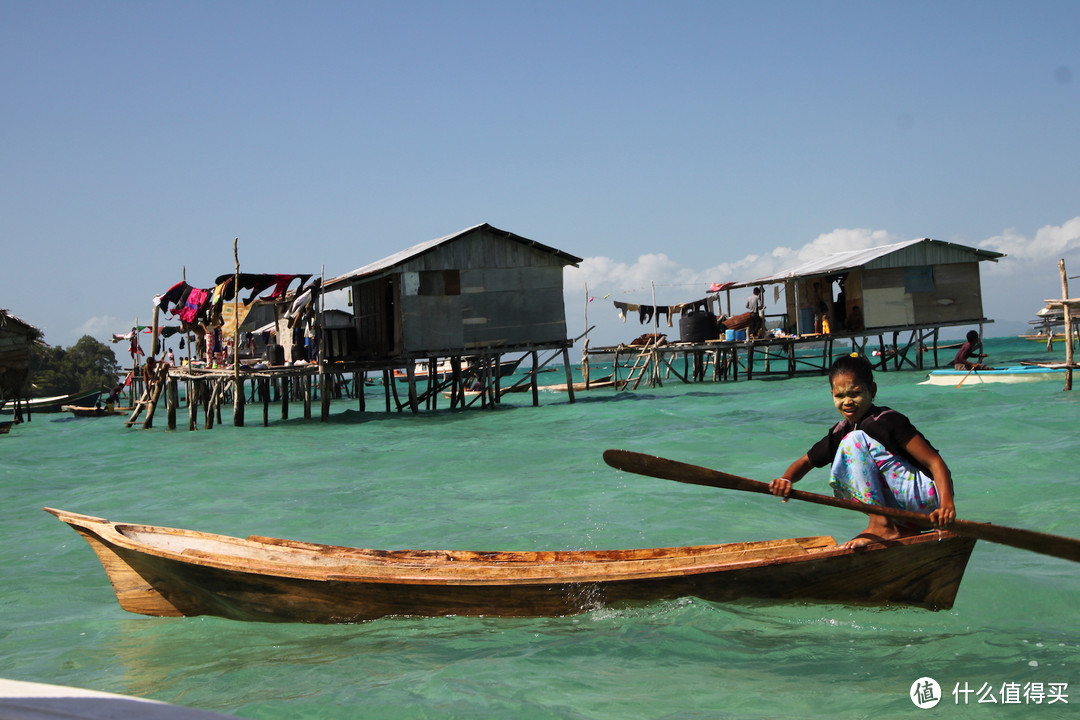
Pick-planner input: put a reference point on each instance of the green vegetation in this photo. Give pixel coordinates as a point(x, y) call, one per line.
point(86, 365)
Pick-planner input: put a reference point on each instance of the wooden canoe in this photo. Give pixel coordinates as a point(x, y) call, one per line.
point(1008, 374)
point(171, 572)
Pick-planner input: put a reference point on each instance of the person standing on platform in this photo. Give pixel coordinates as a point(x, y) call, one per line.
point(756, 304)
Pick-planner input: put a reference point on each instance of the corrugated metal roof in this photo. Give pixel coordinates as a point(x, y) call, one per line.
point(923, 251)
point(402, 256)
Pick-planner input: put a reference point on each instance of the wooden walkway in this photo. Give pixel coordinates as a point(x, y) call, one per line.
point(891, 348)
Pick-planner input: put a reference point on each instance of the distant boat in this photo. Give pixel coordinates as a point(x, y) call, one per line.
point(1049, 325)
point(444, 369)
point(172, 572)
point(422, 369)
point(1011, 374)
point(83, 411)
point(55, 403)
point(5, 426)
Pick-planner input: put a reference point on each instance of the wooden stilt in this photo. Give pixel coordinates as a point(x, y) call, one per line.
point(534, 383)
point(192, 393)
point(211, 401)
point(569, 374)
point(155, 394)
point(457, 383)
point(238, 401)
point(410, 372)
point(264, 391)
point(432, 378)
point(285, 397)
point(171, 401)
point(325, 380)
point(585, 374)
point(1068, 325)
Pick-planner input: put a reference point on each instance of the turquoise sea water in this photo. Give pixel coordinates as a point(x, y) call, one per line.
point(532, 478)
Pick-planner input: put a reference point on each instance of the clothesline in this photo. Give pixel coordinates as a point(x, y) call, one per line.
point(646, 312)
point(710, 303)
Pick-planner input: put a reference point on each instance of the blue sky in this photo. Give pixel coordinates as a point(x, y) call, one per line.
point(675, 143)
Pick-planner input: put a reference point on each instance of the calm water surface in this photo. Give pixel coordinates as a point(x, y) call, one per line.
point(532, 478)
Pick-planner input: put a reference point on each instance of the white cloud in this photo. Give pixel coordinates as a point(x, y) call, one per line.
point(679, 283)
point(102, 326)
point(1050, 243)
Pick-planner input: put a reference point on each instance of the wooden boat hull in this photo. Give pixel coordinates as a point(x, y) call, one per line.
point(56, 403)
point(171, 572)
point(1014, 374)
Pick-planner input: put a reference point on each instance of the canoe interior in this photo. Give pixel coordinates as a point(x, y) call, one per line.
point(173, 572)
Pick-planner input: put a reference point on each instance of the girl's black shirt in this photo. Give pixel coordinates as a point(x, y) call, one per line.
point(889, 427)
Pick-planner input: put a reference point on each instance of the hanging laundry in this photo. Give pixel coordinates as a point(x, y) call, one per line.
point(194, 303)
point(174, 295)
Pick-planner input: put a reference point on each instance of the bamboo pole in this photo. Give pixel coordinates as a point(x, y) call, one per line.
point(155, 342)
point(1068, 325)
point(585, 347)
point(656, 331)
point(320, 352)
point(238, 388)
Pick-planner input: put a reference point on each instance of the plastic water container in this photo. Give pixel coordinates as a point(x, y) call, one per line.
point(697, 327)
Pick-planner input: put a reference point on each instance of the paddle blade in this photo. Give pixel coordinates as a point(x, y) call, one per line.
point(666, 469)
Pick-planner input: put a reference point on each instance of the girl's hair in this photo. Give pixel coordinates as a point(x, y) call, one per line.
point(855, 365)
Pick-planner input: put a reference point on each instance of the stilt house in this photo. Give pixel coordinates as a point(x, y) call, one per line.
point(480, 289)
point(16, 337)
point(918, 283)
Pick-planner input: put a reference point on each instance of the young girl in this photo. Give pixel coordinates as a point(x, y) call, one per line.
point(877, 457)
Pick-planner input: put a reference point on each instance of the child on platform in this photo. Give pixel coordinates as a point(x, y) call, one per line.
point(877, 457)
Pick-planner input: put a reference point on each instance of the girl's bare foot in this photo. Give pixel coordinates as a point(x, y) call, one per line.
point(880, 529)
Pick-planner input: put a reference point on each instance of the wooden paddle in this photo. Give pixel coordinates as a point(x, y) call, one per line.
point(1055, 545)
point(966, 376)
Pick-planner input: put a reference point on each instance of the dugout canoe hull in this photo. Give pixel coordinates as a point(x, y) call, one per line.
point(172, 572)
